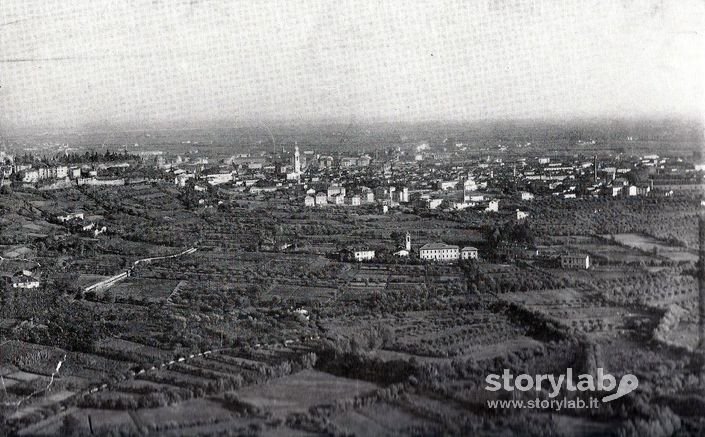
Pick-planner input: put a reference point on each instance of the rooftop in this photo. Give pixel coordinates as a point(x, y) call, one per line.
point(437, 246)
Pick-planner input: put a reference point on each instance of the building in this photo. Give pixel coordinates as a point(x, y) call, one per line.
point(348, 162)
point(638, 190)
point(70, 216)
point(407, 242)
point(338, 199)
point(468, 253)
point(325, 162)
point(335, 190)
point(526, 195)
point(24, 279)
point(297, 160)
point(439, 252)
point(363, 254)
point(310, 201)
point(296, 174)
point(219, 178)
point(575, 261)
point(469, 185)
point(447, 185)
point(30, 176)
point(321, 199)
point(521, 215)
point(403, 195)
point(367, 195)
point(493, 206)
point(433, 203)
point(357, 254)
point(355, 200)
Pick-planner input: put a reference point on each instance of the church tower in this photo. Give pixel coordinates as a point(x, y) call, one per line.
point(297, 160)
point(407, 246)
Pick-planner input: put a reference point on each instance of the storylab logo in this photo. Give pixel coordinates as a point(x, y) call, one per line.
point(554, 385)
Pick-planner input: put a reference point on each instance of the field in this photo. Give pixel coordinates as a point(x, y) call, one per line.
point(648, 244)
point(264, 330)
point(298, 392)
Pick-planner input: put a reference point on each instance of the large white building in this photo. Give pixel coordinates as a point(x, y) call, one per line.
point(439, 252)
point(363, 255)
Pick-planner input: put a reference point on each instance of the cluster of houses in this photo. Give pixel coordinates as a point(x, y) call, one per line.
point(338, 195)
point(78, 221)
point(24, 279)
point(45, 173)
point(439, 252)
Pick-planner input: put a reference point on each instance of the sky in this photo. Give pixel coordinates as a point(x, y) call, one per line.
point(82, 62)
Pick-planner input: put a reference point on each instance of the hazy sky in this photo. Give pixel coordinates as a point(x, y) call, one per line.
point(66, 63)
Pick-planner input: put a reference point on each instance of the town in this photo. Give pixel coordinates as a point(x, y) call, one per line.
point(352, 218)
point(156, 280)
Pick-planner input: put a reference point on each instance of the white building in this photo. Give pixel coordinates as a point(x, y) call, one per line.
point(24, 279)
point(468, 253)
point(439, 252)
point(30, 176)
point(404, 195)
point(310, 201)
point(493, 206)
point(70, 216)
point(434, 203)
point(219, 178)
point(469, 185)
point(297, 160)
point(355, 200)
point(363, 254)
point(521, 215)
point(447, 185)
point(321, 199)
point(526, 195)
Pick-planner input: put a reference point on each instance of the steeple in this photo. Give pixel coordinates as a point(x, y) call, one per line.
point(297, 160)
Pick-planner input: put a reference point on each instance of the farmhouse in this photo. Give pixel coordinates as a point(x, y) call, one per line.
point(574, 261)
point(24, 279)
point(357, 254)
point(70, 216)
point(468, 253)
point(439, 252)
